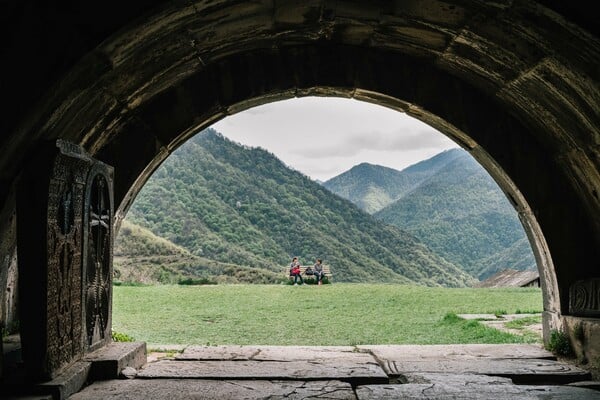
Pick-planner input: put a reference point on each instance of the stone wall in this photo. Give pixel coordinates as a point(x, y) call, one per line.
point(8, 271)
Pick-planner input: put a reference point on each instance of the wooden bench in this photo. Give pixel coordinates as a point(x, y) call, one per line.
point(326, 270)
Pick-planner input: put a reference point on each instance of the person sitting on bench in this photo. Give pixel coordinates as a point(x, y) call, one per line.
point(295, 271)
point(318, 271)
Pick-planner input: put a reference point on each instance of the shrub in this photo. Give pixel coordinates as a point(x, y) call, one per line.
point(121, 337)
point(192, 281)
point(129, 283)
point(559, 344)
point(451, 318)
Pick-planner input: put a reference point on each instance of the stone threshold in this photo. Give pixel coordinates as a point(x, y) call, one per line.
point(105, 363)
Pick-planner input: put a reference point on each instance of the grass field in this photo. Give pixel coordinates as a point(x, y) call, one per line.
point(338, 314)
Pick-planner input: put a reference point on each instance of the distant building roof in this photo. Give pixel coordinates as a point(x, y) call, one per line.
point(510, 278)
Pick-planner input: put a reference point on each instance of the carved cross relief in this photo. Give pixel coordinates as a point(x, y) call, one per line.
point(98, 282)
point(64, 244)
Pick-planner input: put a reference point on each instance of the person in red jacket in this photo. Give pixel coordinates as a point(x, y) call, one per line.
point(295, 271)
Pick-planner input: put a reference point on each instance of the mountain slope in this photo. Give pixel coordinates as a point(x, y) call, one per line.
point(372, 187)
point(141, 256)
point(517, 256)
point(462, 215)
point(229, 203)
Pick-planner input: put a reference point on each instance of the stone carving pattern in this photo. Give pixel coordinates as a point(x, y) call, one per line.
point(98, 265)
point(584, 298)
point(64, 216)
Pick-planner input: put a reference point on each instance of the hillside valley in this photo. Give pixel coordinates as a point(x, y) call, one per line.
point(239, 207)
point(451, 204)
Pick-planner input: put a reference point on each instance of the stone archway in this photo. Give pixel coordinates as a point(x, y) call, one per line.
point(515, 83)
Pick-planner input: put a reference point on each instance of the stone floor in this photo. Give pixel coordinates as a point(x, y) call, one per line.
point(361, 372)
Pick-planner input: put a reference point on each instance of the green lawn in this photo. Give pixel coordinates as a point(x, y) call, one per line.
point(338, 314)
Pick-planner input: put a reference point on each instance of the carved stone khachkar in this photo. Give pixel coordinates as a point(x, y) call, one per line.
point(97, 257)
point(60, 300)
point(584, 298)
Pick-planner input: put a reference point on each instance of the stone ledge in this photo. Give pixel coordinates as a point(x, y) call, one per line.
point(406, 352)
point(271, 353)
point(357, 371)
point(69, 381)
point(109, 361)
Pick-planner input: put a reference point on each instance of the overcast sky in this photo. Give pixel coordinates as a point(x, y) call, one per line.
point(323, 136)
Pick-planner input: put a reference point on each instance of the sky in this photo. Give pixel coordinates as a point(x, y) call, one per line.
point(324, 136)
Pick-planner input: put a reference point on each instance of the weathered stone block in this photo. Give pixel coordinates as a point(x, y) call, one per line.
point(356, 371)
point(272, 353)
point(584, 335)
point(64, 237)
point(463, 352)
point(454, 391)
point(584, 298)
point(524, 364)
point(109, 361)
point(185, 389)
point(70, 381)
point(50, 206)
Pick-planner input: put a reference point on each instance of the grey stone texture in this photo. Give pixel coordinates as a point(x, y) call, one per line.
point(348, 369)
point(520, 371)
point(452, 379)
point(128, 373)
point(50, 207)
point(298, 372)
point(584, 335)
point(271, 353)
point(458, 351)
point(523, 364)
point(109, 361)
point(453, 391)
point(70, 381)
point(193, 389)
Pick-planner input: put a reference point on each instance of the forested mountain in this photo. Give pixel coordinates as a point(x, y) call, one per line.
point(233, 204)
point(462, 214)
point(141, 256)
point(372, 187)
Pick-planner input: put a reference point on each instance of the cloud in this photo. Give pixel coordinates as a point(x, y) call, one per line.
point(353, 144)
point(323, 137)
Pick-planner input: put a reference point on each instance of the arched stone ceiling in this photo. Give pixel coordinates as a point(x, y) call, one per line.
point(514, 81)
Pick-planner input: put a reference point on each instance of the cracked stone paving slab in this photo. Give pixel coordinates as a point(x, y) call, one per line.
point(462, 351)
point(191, 389)
point(269, 353)
point(451, 379)
point(520, 371)
point(359, 371)
point(467, 392)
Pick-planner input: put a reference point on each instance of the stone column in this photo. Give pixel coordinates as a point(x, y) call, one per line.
point(52, 210)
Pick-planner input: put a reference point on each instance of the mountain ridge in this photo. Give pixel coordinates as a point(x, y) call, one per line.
point(458, 211)
point(242, 205)
point(373, 187)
